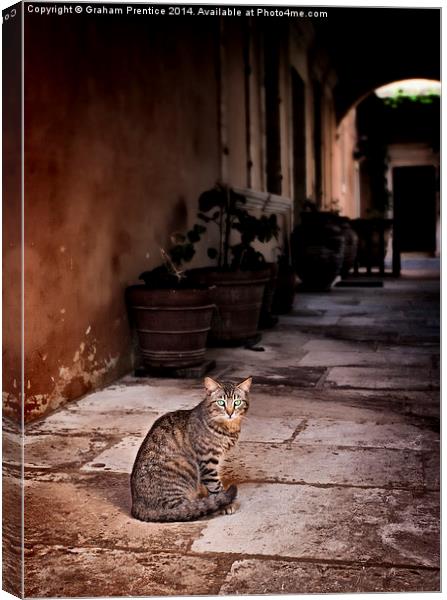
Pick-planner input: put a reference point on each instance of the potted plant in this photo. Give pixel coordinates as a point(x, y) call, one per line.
point(318, 248)
point(170, 312)
point(241, 272)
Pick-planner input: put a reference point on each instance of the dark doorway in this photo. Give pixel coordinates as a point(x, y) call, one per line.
point(299, 142)
point(414, 192)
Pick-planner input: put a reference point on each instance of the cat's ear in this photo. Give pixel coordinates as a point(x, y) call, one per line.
point(245, 385)
point(211, 385)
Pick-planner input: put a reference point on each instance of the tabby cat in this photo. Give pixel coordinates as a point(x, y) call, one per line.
point(181, 455)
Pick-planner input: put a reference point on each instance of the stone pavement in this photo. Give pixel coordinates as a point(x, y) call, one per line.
point(337, 466)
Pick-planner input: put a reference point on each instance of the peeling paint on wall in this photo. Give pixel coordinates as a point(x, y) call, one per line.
point(11, 402)
point(83, 375)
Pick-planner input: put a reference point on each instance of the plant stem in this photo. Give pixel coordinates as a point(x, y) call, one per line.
point(219, 261)
point(227, 228)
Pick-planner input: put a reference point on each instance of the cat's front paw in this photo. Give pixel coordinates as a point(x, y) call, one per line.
point(230, 509)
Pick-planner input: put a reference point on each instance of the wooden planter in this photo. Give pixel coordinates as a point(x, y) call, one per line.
point(238, 297)
point(172, 325)
point(318, 250)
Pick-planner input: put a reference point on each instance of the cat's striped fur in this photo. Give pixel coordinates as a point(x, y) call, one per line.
point(181, 455)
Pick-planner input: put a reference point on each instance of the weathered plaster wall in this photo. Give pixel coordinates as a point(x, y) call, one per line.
point(299, 42)
point(345, 169)
point(233, 98)
point(12, 486)
point(12, 216)
point(121, 137)
point(328, 146)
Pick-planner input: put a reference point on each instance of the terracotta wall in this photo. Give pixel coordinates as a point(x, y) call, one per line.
point(345, 168)
point(121, 137)
point(12, 485)
point(12, 215)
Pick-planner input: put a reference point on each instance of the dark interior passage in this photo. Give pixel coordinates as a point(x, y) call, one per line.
point(415, 207)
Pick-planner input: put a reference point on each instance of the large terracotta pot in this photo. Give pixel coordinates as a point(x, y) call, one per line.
point(318, 250)
point(172, 325)
point(238, 298)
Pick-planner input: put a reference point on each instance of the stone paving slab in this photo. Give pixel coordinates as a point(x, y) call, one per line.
point(99, 572)
point(406, 378)
point(328, 345)
point(329, 358)
point(52, 451)
point(273, 429)
point(254, 576)
point(120, 457)
point(131, 395)
point(407, 349)
point(364, 321)
point(11, 448)
point(275, 374)
point(343, 404)
point(371, 333)
point(282, 463)
point(272, 354)
point(318, 320)
point(88, 423)
point(325, 466)
point(11, 525)
point(432, 469)
point(300, 377)
point(95, 513)
point(422, 335)
point(367, 434)
point(280, 354)
point(334, 524)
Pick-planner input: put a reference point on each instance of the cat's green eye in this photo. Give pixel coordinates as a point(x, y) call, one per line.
point(237, 402)
point(221, 402)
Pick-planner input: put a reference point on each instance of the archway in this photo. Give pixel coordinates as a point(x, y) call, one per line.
point(370, 47)
point(396, 162)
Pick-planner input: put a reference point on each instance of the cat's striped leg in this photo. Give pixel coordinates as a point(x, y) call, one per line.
point(209, 475)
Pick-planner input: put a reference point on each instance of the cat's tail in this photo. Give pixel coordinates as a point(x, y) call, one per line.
point(186, 510)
